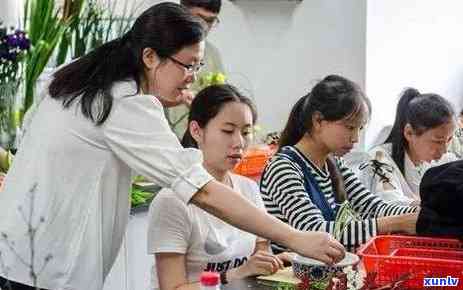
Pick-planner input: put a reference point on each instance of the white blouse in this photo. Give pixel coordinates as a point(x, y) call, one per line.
point(80, 174)
point(381, 175)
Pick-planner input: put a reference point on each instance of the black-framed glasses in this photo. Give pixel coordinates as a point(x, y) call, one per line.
point(190, 68)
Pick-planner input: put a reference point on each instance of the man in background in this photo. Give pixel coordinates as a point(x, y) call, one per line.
point(207, 10)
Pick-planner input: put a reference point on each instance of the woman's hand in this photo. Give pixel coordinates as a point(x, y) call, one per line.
point(317, 245)
point(187, 97)
point(261, 263)
point(286, 257)
point(408, 223)
point(405, 223)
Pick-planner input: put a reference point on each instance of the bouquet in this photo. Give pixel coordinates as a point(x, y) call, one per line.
point(14, 45)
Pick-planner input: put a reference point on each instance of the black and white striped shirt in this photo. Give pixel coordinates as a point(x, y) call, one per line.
point(285, 197)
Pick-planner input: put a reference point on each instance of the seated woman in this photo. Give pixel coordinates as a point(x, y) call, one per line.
point(304, 184)
point(422, 130)
point(185, 239)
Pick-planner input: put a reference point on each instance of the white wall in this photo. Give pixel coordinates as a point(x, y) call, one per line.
point(412, 43)
point(284, 47)
point(11, 12)
point(277, 49)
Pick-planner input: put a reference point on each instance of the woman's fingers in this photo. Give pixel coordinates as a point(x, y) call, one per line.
point(336, 251)
point(281, 264)
point(269, 258)
point(266, 268)
point(334, 243)
point(276, 260)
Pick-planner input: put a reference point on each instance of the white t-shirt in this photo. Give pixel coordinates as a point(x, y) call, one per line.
point(82, 178)
point(207, 242)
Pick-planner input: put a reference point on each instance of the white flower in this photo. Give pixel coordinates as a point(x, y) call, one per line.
point(354, 278)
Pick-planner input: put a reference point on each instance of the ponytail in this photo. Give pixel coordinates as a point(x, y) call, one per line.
point(166, 28)
point(337, 180)
point(90, 78)
point(295, 127)
point(422, 112)
point(396, 137)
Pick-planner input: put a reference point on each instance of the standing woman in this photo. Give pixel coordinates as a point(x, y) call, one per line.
point(103, 118)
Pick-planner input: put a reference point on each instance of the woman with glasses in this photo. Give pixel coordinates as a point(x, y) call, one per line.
point(66, 193)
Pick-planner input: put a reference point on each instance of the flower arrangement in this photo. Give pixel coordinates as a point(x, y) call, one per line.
point(211, 78)
point(349, 279)
point(45, 28)
point(14, 46)
point(92, 23)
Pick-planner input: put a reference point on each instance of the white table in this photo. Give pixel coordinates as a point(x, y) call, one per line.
point(131, 271)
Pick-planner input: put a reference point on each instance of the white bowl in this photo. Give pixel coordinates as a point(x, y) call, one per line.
point(314, 270)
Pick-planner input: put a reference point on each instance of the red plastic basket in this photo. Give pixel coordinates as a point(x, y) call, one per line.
point(253, 163)
point(392, 257)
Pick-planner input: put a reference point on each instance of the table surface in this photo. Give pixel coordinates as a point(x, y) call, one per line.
point(246, 284)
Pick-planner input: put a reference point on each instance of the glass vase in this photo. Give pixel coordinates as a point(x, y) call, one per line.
point(9, 114)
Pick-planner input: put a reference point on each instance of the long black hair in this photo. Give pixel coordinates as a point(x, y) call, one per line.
point(423, 112)
point(208, 103)
point(210, 5)
point(166, 28)
point(335, 98)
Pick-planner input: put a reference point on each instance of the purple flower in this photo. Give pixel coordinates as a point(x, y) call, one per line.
point(13, 45)
point(3, 52)
point(24, 43)
point(20, 33)
point(11, 56)
point(12, 40)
